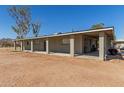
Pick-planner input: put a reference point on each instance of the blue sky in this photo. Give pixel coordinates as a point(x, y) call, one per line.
point(65, 18)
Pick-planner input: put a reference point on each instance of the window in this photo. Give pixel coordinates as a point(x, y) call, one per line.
point(65, 41)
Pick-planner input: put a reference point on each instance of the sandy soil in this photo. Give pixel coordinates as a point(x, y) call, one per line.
point(31, 69)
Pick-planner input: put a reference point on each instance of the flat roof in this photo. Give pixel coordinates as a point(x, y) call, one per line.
point(72, 33)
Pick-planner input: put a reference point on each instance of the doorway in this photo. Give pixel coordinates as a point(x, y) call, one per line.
point(44, 45)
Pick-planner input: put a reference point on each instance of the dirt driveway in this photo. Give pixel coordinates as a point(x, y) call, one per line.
point(30, 69)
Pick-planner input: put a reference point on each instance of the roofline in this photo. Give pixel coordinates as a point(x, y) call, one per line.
point(72, 33)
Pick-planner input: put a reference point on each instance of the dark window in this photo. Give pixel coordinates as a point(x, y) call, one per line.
point(27, 43)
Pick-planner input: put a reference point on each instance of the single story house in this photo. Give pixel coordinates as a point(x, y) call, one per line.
point(76, 43)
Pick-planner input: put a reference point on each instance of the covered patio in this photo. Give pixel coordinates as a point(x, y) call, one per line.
point(89, 44)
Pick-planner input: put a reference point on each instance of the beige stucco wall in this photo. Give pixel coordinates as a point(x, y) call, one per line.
point(79, 44)
point(38, 45)
point(56, 45)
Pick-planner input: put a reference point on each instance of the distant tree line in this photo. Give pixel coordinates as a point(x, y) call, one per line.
point(6, 42)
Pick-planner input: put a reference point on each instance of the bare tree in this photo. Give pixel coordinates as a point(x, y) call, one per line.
point(22, 17)
point(36, 28)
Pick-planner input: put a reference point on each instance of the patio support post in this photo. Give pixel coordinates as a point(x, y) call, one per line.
point(47, 46)
point(102, 46)
point(15, 45)
point(80, 44)
point(32, 46)
point(21, 45)
point(72, 45)
point(83, 37)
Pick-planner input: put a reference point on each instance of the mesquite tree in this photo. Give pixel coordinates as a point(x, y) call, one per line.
point(22, 17)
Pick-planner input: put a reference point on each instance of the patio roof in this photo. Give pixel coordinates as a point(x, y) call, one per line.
point(109, 30)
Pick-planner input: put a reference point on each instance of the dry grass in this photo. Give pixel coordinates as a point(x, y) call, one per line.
point(30, 69)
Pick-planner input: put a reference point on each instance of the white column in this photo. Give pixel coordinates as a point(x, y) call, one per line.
point(47, 46)
point(83, 38)
point(80, 44)
point(32, 46)
point(15, 45)
point(72, 45)
point(21, 45)
point(102, 46)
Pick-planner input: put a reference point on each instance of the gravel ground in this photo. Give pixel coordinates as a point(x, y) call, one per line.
point(40, 70)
